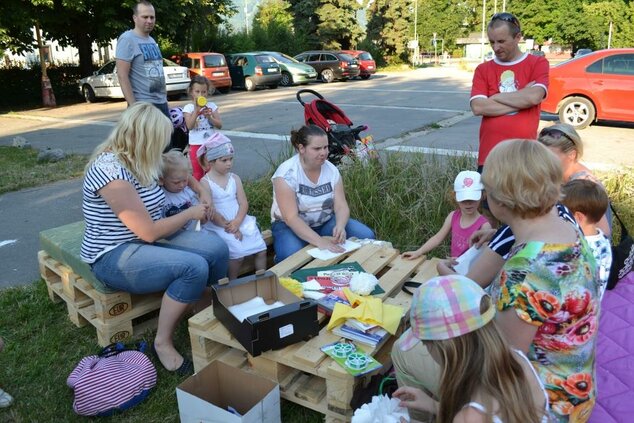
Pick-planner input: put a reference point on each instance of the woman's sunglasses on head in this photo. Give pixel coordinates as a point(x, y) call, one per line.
point(554, 133)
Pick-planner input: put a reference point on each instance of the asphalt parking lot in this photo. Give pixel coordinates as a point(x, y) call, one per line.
point(423, 111)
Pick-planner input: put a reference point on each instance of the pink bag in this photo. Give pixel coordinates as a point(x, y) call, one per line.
point(116, 379)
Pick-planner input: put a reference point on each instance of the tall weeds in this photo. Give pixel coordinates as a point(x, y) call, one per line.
point(404, 198)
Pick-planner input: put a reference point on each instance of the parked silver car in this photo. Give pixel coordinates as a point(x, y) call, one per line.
point(104, 82)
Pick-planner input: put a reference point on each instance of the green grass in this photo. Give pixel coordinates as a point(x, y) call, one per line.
point(43, 347)
point(404, 199)
point(20, 169)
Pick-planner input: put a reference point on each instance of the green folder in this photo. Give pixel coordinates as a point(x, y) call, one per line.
point(302, 274)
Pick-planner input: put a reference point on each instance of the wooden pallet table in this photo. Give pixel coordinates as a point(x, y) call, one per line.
point(115, 315)
point(306, 375)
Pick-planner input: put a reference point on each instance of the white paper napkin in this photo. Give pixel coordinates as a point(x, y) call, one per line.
point(327, 255)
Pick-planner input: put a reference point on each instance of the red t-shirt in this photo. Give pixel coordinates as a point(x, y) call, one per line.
point(494, 77)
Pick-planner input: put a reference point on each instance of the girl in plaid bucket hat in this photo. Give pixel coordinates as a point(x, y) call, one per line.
point(481, 378)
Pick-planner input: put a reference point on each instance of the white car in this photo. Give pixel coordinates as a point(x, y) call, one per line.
point(104, 82)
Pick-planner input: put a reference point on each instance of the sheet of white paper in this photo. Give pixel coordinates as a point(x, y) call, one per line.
point(465, 260)
point(327, 255)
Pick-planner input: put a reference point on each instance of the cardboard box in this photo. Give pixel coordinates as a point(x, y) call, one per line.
point(204, 397)
point(274, 329)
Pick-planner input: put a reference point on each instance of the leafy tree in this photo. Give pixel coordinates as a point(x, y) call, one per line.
point(622, 18)
point(388, 28)
point(273, 28)
point(446, 19)
point(338, 27)
point(305, 21)
point(81, 22)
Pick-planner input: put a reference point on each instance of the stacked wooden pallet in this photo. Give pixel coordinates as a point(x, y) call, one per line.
point(306, 375)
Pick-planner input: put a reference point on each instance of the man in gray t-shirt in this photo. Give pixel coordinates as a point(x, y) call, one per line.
point(139, 61)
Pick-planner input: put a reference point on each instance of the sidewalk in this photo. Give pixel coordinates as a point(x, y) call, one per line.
point(23, 215)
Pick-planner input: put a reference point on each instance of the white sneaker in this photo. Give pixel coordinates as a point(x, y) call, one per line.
point(5, 399)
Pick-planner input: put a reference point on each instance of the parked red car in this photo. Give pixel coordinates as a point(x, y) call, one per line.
point(595, 86)
point(213, 66)
point(366, 62)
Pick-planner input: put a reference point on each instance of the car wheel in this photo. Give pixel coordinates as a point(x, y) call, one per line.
point(273, 86)
point(365, 76)
point(327, 75)
point(287, 79)
point(577, 111)
point(89, 94)
point(249, 84)
point(224, 90)
point(344, 79)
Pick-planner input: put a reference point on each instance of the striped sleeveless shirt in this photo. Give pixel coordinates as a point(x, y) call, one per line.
point(104, 231)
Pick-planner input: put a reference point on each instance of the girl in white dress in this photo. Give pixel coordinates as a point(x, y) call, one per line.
point(230, 221)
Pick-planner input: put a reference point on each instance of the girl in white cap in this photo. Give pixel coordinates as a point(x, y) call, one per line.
point(462, 222)
point(230, 220)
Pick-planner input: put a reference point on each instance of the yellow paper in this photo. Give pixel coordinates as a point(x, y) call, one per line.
point(366, 309)
point(292, 285)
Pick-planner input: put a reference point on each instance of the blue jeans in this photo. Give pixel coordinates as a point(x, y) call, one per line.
point(182, 265)
point(286, 243)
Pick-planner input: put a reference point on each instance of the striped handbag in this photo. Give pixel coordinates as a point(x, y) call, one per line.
point(117, 379)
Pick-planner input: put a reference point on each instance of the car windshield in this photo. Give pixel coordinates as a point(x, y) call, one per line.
point(365, 56)
point(264, 59)
point(214, 60)
point(282, 58)
point(344, 56)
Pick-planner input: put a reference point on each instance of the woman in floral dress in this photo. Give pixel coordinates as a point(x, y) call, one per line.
point(547, 299)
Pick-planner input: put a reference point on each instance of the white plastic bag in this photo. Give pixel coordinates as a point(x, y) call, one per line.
point(381, 409)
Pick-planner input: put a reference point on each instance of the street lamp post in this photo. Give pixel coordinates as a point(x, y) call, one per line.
point(416, 52)
point(484, 9)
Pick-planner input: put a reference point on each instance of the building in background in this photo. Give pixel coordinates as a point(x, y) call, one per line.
point(55, 54)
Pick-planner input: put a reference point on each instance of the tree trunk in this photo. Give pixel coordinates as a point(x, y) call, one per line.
point(84, 45)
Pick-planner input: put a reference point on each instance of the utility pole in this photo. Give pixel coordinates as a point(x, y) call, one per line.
point(246, 16)
point(416, 52)
point(484, 17)
point(610, 35)
point(48, 97)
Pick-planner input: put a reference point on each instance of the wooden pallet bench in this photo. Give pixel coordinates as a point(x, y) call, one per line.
point(305, 374)
point(115, 315)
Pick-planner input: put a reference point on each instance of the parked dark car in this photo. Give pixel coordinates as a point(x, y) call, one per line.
point(252, 70)
point(331, 65)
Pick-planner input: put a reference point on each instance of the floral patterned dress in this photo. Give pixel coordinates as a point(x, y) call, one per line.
point(553, 286)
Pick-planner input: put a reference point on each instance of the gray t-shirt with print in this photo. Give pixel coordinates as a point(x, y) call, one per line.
point(146, 66)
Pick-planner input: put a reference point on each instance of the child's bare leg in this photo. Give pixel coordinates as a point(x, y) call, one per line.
point(234, 268)
point(260, 260)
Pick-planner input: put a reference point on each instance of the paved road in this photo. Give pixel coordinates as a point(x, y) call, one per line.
point(399, 108)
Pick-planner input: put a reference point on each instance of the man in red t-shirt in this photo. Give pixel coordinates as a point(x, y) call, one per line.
point(508, 90)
